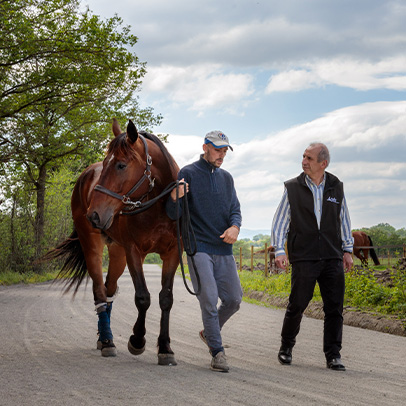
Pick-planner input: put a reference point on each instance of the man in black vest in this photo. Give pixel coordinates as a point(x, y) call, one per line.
point(313, 217)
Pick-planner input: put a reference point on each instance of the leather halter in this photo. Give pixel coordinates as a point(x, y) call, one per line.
point(125, 199)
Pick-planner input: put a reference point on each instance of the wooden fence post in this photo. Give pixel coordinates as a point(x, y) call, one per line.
point(240, 259)
point(252, 258)
point(266, 260)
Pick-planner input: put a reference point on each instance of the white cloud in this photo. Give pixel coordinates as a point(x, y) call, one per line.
point(357, 74)
point(185, 148)
point(199, 87)
point(242, 66)
point(294, 80)
point(259, 167)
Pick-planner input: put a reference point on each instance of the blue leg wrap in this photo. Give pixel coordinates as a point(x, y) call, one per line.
point(104, 326)
point(109, 308)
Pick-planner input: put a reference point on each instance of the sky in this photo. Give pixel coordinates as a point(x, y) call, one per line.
point(275, 75)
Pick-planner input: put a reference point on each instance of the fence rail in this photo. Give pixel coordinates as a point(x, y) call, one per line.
point(269, 257)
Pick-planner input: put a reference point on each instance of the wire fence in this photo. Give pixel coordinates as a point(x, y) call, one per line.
point(264, 259)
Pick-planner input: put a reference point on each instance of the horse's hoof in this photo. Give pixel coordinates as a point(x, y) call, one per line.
point(167, 359)
point(135, 351)
point(108, 349)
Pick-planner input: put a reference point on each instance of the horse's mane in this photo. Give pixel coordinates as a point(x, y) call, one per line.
point(120, 145)
point(152, 137)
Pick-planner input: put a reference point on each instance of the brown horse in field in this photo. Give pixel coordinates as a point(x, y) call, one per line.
point(271, 253)
point(120, 202)
point(361, 239)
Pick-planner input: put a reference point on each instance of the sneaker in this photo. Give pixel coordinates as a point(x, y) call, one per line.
point(219, 362)
point(203, 338)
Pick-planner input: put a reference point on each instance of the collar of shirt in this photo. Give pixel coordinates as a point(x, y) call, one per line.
point(317, 191)
point(312, 185)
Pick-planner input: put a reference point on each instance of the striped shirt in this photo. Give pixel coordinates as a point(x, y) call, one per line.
point(281, 220)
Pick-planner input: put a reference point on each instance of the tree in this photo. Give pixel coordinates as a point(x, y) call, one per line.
point(64, 74)
point(50, 51)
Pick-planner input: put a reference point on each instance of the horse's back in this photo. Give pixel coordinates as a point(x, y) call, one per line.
point(359, 237)
point(83, 189)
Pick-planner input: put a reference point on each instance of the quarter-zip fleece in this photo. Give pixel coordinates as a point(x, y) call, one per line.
point(213, 205)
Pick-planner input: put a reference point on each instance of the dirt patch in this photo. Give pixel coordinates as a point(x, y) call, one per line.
point(352, 316)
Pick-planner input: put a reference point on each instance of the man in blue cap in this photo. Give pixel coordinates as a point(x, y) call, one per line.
point(215, 216)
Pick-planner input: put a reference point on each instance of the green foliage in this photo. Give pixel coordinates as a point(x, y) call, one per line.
point(52, 52)
point(363, 291)
point(261, 238)
point(245, 247)
point(153, 258)
point(278, 285)
point(245, 244)
point(384, 234)
point(64, 74)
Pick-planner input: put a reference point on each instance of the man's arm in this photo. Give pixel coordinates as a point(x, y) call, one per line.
point(346, 236)
point(280, 228)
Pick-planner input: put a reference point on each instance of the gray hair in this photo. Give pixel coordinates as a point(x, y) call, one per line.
point(324, 154)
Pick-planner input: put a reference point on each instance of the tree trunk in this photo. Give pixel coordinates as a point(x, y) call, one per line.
point(13, 253)
point(40, 213)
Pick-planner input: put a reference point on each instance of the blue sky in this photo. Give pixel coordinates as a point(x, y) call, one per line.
point(274, 76)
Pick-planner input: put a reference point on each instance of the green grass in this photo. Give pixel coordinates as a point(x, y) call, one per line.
point(363, 291)
point(12, 278)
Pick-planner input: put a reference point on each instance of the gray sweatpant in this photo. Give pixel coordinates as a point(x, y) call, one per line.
point(219, 280)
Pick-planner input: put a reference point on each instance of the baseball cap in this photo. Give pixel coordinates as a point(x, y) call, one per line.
point(218, 139)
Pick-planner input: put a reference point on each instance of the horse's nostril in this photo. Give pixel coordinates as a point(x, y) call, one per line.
point(94, 219)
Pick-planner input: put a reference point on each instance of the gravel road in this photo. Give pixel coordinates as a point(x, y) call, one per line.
point(48, 356)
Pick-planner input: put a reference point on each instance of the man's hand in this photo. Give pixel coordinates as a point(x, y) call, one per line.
point(181, 188)
point(281, 261)
point(347, 261)
point(230, 235)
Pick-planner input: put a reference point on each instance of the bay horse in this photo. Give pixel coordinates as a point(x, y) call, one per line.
point(112, 205)
point(271, 253)
point(361, 239)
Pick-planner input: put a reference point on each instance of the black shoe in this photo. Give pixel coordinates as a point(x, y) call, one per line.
point(335, 364)
point(285, 356)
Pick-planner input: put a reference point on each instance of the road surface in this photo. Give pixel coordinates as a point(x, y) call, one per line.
point(48, 356)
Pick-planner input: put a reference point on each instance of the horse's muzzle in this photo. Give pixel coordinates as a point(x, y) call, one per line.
point(96, 222)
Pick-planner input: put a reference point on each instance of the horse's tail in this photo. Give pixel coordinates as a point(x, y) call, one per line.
point(373, 253)
point(74, 269)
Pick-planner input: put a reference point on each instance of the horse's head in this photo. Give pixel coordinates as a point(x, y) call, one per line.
point(125, 172)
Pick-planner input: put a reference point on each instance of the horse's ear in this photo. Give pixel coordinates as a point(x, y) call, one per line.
point(132, 132)
point(116, 128)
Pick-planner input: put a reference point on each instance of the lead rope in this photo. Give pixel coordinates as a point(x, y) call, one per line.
point(187, 233)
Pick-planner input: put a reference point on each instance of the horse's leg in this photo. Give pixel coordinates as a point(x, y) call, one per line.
point(117, 263)
point(165, 353)
point(372, 252)
point(93, 243)
point(136, 343)
point(365, 254)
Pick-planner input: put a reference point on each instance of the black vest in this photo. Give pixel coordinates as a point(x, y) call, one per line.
point(305, 241)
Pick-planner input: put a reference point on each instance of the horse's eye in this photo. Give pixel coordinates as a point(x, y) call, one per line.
point(121, 166)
